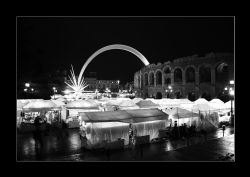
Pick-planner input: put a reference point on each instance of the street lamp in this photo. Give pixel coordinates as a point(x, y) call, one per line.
point(169, 90)
point(27, 84)
point(54, 91)
point(96, 91)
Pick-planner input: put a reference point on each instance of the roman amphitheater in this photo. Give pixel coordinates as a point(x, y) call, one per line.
point(188, 77)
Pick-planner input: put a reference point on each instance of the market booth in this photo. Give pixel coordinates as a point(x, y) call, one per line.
point(20, 105)
point(183, 116)
point(112, 126)
point(208, 122)
point(73, 108)
point(46, 109)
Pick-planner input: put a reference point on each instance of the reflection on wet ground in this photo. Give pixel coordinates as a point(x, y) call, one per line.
point(66, 146)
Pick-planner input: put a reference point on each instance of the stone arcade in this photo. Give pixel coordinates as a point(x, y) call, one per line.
point(190, 77)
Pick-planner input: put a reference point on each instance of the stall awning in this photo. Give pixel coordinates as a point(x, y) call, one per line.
point(40, 105)
point(127, 116)
point(181, 113)
point(147, 104)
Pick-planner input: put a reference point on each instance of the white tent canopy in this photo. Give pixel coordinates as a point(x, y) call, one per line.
point(127, 116)
point(136, 100)
point(128, 104)
point(21, 104)
point(58, 102)
point(181, 113)
point(201, 101)
point(147, 104)
point(81, 104)
point(217, 103)
point(41, 104)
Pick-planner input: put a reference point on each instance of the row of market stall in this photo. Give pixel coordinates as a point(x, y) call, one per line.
point(108, 120)
point(57, 111)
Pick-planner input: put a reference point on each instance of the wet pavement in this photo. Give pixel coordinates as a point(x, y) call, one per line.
point(65, 145)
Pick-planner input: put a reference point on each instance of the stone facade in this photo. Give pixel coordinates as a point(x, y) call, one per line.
point(195, 75)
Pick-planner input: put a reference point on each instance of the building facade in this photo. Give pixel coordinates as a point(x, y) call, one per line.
point(94, 84)
point(188, 77)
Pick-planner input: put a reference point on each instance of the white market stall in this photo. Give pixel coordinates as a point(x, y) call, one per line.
point(74, 107)
point(183, 116)
point(20, 105)
point(167, 103)
point(109, 126)
point(208, 122)
point(46, 109)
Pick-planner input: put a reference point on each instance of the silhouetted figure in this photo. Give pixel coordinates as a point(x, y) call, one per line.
point(175, 130)
point(223, 129)
point(131, 134)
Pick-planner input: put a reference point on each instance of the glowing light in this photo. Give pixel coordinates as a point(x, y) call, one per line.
point(67, 91)
point(231, 92)
point(225, 88)
point(169, 87)
point(27, 84)
point(231, 82)
point(54, 88)
point(25, 90)
point(32, 89)
point(78, 87)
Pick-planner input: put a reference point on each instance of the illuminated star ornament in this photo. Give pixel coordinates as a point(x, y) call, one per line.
point(78, 88)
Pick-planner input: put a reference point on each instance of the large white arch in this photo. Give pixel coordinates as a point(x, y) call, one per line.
point(111, 47)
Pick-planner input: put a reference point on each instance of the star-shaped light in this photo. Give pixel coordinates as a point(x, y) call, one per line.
point(78, 88)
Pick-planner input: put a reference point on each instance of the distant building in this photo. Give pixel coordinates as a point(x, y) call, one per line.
point(193, 76)
point(94, 84)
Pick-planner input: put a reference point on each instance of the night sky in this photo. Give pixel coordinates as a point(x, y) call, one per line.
point(47, 44)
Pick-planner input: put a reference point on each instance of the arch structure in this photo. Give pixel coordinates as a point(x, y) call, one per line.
point(112, 47)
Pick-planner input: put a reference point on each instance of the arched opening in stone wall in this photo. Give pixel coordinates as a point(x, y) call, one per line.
point(177, 75)
point(206, 96)
point(151, 78)
point(167, 81)
point(158, 95)
point(146, 79)
point(191, 96)
point(158, 78)
point(190, 75)
point(205, 74)
point(178, 95)
point(167, 70)
point(222, 73)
